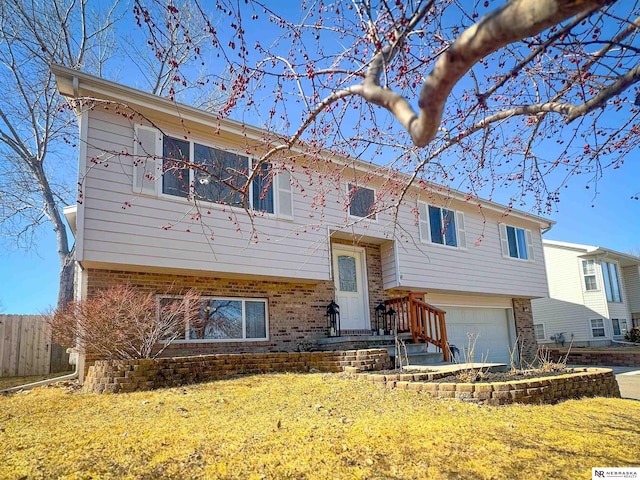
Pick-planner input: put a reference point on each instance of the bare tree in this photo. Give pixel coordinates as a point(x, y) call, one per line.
point(37, 155)
point(525, 94)
point(35, 161)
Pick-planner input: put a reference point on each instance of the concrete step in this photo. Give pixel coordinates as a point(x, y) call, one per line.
point(431, 358)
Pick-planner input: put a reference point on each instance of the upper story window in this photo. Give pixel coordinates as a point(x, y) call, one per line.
point(361, 201)
point(611, 284)
point(589, 275)
point(516, 242)
point(182, 168)
point(219, 175)
point(442, 226)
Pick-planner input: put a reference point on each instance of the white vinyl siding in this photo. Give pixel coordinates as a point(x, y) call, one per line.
point(441, 226)
point(569, 304)
point(631, 282)
point(516, 243)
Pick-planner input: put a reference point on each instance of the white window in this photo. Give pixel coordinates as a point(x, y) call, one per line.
point(516, 242)
point(182, 168)
point(538, 329)
point(441, 226)
point(226, 319)
point(589, 275)
point(611, 284)
point(361, 201)
point(597, 327)
point(620, 326)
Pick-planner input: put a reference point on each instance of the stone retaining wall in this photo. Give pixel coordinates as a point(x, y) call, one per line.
point(114, 376)
point(613, 357)
point(592, 382)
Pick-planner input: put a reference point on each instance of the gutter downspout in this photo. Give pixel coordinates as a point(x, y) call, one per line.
point(28, 386)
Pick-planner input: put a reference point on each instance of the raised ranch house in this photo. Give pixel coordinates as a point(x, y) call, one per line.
point(145, 220)
point(594, 295)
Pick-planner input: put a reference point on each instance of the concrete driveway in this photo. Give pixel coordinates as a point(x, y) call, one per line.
point(628, 379)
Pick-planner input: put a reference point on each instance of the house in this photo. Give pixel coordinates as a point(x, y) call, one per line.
point(594, 295)
point(275, 258)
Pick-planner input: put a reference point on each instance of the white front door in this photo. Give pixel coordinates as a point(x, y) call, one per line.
point(351, 287)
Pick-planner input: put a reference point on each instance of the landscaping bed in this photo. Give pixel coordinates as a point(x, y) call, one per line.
point(551, 387)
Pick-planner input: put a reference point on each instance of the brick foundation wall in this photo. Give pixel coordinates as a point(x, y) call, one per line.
point(115, 376)
point(597, 357)
point(594, 382)
point(296, 310)
point(523, 316)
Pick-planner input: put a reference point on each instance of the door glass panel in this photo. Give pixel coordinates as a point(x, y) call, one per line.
point(347, 274)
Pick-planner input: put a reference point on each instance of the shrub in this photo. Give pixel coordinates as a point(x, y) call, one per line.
point(633, 335)
point(123, 323)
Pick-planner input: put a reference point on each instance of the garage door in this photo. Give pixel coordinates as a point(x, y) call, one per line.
point(489, 327)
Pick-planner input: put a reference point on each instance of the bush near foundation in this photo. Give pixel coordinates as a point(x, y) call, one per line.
point(633, 335)
point(123, 323)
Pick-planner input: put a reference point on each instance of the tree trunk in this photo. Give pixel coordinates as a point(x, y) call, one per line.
point(67, 277)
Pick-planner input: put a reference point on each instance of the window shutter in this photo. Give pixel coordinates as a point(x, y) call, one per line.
point(504, 241)
point(462, 234)
point(423, 222)
point(146, 147)
point(285, 195)
point(529, 244)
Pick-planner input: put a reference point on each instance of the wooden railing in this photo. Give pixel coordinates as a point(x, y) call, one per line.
point(424, 321)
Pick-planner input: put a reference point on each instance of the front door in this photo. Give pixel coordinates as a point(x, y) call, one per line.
point(349, 275)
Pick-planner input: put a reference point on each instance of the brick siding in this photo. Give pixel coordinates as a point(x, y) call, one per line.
point(523, 316)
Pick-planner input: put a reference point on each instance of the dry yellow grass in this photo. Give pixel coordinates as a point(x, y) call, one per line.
point(8, 382)
point(306, 426)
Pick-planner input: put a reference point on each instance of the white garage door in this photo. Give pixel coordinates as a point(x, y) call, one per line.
point(489, 327)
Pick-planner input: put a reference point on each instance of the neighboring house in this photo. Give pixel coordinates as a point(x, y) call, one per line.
point(479, 261)
point(594, 295)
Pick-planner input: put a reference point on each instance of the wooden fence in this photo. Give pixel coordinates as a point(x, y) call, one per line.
point(26, 347)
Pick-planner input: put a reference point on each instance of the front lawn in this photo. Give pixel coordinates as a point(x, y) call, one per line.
point(306, 426)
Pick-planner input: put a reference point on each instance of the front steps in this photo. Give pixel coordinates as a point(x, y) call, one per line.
point(418, 353)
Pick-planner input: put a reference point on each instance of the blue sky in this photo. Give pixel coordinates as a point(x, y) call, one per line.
point(29, 280)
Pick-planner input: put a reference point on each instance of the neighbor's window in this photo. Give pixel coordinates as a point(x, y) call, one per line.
point(441, 226)
point(620, 326)
point(230, 319)
point(597, 327)
point(611, 284)
point(516, 242)
point(538, 329)
point(361, 202)
point(589, 275)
